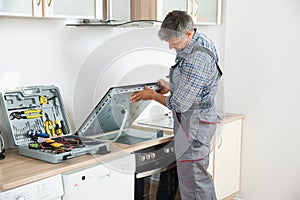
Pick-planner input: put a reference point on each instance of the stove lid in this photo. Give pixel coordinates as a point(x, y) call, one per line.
point(114, 108)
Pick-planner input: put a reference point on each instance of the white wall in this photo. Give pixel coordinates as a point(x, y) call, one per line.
point(45, 51)
point(262, 81)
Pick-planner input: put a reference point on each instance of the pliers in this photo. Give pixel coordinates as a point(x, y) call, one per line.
point(49, 126)
point(23, 114)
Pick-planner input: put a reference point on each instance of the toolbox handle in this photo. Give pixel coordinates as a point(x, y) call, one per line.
point(68, 156)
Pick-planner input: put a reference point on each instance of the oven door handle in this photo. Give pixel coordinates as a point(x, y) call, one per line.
point(155, 171)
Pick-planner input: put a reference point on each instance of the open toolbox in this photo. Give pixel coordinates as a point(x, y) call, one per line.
point(35, 120)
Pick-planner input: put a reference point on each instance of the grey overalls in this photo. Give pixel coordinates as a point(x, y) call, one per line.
point(194, 130)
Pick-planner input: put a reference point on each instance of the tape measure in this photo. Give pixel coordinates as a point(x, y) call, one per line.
point(43, 100)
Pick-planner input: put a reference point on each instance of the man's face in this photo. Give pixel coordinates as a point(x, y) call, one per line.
point(178, 43)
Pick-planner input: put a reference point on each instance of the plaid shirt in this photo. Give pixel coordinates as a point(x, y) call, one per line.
point(195, 77)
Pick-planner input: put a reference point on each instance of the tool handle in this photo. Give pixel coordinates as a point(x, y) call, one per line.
point(38, 134)
point(63, 127)
point(58, 130)
point(34, 116)
point(32, 111)
point(49, 124)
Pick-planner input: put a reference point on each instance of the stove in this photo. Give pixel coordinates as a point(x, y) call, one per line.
point(158, 157)
point(112, 119)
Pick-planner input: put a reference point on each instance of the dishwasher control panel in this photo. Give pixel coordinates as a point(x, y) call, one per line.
point(46, 189)
point(112, 179)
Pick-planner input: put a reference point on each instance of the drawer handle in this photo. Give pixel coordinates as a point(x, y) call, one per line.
point(38, 2)
point(107, 175)
point(49, 3)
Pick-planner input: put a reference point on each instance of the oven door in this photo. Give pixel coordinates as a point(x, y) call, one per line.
point(156, 173)
point(157, 184)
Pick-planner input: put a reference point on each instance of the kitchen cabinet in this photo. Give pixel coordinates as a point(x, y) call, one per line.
point(225, 159)
point(207, 12)
point(114, 10)
point(143, 10)
point(16, 7)
point(51, 8)
point(112, 179)
point(69, 8)
point(46, 189)
point(154, 9)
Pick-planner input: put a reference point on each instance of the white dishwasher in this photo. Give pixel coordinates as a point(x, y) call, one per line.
point(109, 180)
point(46, 189)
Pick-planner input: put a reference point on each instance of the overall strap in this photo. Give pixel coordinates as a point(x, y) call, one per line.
point(207, 51)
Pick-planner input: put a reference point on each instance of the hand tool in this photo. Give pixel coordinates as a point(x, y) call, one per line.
point(37, 134)
point(23, 114)
point(53, 143)
point(24, 107)
point(58, 129)
point(56, 144)
point(49, 126)
point(43, 100)
point(63, 127)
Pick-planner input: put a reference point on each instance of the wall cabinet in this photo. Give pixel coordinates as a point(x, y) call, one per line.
point(225, 160)
point(16, 7)
point(69, 8)
point(113, 9)
point(49, 8)
point(206, 12)
point(202, 11)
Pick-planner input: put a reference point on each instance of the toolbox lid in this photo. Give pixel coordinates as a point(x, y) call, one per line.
point(114, 108)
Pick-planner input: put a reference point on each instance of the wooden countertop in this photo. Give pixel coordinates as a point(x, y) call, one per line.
point(16, 170)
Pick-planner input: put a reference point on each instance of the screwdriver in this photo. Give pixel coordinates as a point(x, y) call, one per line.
point(31, 133)
point(63, 127)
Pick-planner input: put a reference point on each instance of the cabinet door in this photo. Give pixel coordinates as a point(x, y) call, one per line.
point(227, 160)
point(154, 9)
point(107, 180)
point(166, 6)
point(120, 10)
point(17, 7)
point(206, 12)
point(143, 10)
point(69, 8)
point(210, 168)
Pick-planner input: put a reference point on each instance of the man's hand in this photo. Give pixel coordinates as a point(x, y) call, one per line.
point(146, 94)
point(165, 88)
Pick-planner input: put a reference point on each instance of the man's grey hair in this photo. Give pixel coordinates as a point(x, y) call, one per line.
point(176, 24)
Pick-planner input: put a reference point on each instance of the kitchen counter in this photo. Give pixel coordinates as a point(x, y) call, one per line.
point(16, 170)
